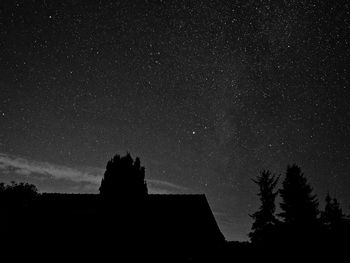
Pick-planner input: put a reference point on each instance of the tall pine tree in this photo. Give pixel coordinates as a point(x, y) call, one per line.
point(264, 219)
point(300, 228)
point(299, 205)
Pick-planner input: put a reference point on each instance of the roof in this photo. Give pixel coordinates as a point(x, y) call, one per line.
point(169, 216)
point(164, 225)
point(189, 214)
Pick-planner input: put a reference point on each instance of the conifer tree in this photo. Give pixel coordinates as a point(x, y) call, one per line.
point(299, 205)
point(332, 217)
point(264, 218)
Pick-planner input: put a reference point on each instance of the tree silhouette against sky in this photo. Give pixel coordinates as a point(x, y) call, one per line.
point(264, 219)
point(299, 205)
point(301, 226)
point(124, 178)
point(332, 216)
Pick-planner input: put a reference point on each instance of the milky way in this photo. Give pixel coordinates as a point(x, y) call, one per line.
point(207, 93)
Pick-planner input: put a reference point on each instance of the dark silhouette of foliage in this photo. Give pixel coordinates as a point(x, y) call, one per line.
point(299, 205)
point(336, 227)
point(335, 223)
point(333, 217)
point(124, 178)
point(17, 197)
point(20, 192)
point(264, 219)
point(16, 204)
point(300, 229)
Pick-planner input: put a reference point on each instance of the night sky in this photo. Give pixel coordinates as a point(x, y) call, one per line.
point(206, 93)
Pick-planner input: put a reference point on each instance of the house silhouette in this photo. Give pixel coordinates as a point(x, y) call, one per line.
point(162, 227)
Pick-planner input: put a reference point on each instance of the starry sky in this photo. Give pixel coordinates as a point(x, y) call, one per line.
point(206, 93)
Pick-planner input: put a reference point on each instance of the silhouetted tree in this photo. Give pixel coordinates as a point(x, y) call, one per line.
point(16, 202)
point(336, 227)
point(299, 207)
point(264, 219)
point(20, 192)
point(332, 217)
point(124, 178)
point(334, 221)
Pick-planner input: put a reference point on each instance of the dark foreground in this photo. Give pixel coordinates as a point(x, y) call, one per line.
point(86, 228)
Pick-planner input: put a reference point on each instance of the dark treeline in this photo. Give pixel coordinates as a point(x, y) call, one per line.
point(296, 228)
point(299, 226)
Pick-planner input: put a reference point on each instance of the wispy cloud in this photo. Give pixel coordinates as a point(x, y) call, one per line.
point(156, 184)
point(84, 175)
point(27, 166)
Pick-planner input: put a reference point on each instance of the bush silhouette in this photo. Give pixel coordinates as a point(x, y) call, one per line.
point(124, 178)
point(18, 193)
point(16, 204)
